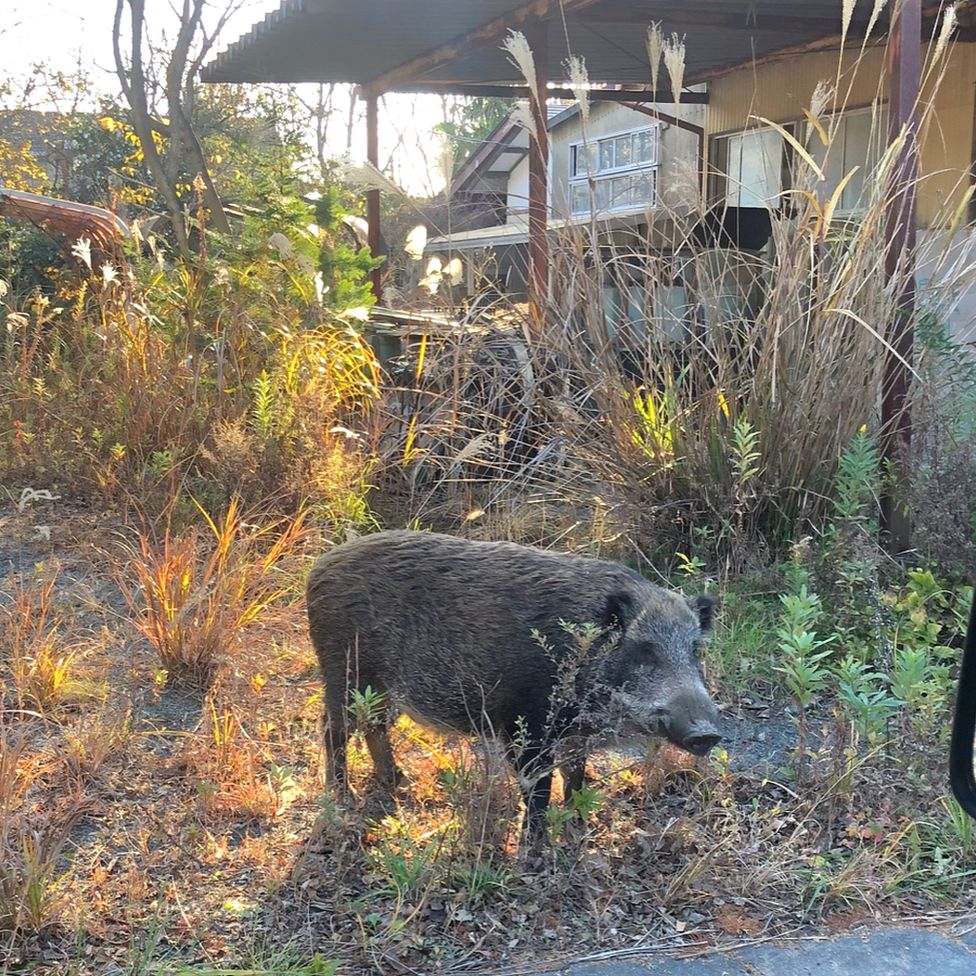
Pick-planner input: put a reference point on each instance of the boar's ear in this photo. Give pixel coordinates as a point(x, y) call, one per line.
point(620, 610)
point(703, 606)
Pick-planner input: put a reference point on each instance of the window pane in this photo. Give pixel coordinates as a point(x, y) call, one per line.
point(620, 192)
point(606, 154)
point(623, 150)
point(851, 145)
point(643, 146)
point(674, 311)
point(611, 308)
point(642, 190)
point(602, 194)
point(857, 152)
point(754, 168)
point(581, 198)
point(637, 312)
point(593, 157)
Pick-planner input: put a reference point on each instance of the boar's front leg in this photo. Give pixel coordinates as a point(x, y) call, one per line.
point(534, 762)
point(572, 765)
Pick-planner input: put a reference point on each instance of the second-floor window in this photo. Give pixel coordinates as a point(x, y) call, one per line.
point(622, 168)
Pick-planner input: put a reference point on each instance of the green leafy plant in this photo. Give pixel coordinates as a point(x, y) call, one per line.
point(863, 695)
point(857, 483)
point(367, 707)
point(803, 668)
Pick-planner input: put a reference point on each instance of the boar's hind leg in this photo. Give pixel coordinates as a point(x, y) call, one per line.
point(335, 726)
point(381, 752)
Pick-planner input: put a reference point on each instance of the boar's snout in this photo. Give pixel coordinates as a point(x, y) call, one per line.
point(692, 724)
point(701, 741)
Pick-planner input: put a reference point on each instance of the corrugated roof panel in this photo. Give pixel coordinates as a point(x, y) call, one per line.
point(337, 41)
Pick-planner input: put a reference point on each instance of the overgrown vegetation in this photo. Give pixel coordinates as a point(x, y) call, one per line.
point(185, 433)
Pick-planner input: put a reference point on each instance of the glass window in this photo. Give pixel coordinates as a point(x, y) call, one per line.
point(581, 198)
point(620, 192)
point(635, 153)
point(623, 151)
point(854, 143)
point(637, 311)
point(612, 312)
point(644, 147)
point(642, 189)
point(674, 311)
point(754, 168)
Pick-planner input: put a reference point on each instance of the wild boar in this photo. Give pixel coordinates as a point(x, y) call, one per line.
point(532, 646)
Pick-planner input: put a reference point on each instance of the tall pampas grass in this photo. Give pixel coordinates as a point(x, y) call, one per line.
point(655, 48)
point(674, 61)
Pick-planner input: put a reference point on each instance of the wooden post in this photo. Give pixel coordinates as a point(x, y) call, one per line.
point(904, 80)
point(373, 195)
point(538, 270)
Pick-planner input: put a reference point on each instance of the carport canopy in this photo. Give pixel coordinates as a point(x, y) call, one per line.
point(454, 47)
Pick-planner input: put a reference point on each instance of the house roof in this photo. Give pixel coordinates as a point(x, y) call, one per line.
point(74, 219)
point(451, 44)
point(503, 148)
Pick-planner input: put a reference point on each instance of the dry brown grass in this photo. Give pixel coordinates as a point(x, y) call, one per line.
point(203, 829)
point(199, 590)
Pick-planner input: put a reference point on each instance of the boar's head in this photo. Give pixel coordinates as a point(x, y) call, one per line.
point(653, 674)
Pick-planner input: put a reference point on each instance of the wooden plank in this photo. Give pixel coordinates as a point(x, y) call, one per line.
point(538, 254)
point(931, 14)
point(373, 195)
point(904, 81)
point(491, 32)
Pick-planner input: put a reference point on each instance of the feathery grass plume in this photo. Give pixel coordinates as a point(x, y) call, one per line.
point(520, 55)
point(521, 113)
point(823, 95)
point(367, 175)
point(81, 249)
point(946, 28)
point(655, 47)
point(416, 242)
point(579, 82)
point(847, 13)
point(454, 271)
point(876, 12)
point(674, 61)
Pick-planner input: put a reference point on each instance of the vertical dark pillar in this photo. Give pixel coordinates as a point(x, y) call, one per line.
point(539, 181)
point(373, 195)
point(904, 79)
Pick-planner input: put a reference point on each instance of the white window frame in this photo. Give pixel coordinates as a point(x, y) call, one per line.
point(583, 179)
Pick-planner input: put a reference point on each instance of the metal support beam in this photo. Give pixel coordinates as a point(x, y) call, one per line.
point(904, 80)
point(477, 90)
point(373, 195)
point(538, 39)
